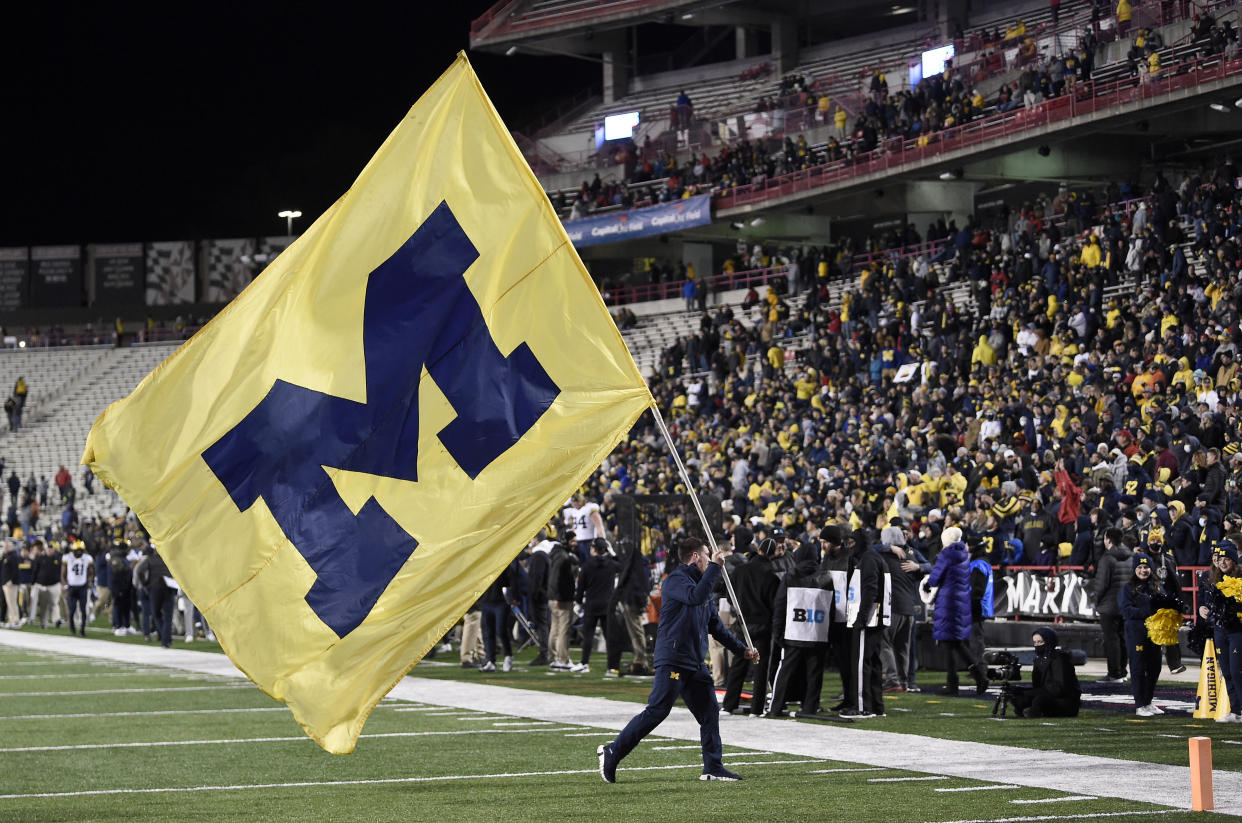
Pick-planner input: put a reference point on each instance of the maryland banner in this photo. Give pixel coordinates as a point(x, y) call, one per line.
point(341, 462)
point(1212, 701)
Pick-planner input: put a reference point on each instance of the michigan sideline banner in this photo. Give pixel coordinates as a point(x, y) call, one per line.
point(645, 222)
point(341, 462)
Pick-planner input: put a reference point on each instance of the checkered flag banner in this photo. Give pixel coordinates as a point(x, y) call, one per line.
point(170, 273)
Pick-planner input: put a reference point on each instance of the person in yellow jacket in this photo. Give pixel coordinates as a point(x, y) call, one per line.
point(1092, 254)
point(1153, 65)
point(806, 386)
point(1113, 315)
point(840, 119)
point(983, 353)
point(1124, 13)
point(1184, 376)
point(776, 356)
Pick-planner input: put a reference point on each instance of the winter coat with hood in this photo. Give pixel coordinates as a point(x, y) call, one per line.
point(1113, 573)
point(951, 578)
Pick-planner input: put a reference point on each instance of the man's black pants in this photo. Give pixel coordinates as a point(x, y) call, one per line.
point(737, 676)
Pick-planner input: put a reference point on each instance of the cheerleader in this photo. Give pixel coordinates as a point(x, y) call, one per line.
point(1222, 612)
point(1139, 599)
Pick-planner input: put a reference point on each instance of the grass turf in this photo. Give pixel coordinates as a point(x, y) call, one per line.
point(448, 765)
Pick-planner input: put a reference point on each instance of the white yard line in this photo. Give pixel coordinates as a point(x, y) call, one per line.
point(841, 771)
point(991, 787)
point(1072, 773)
point(231, 740)
point(88, 715)
point(524, 723)
point(1062, 799)
point(670, 748)
point(144, 673)
point(367, 782)
point(905, 779)
point(164, 690)
point(1036, 818)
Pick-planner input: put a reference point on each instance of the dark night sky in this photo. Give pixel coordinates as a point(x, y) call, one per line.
point(206, 121)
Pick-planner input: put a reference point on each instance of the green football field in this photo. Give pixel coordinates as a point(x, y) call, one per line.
point(86, 739)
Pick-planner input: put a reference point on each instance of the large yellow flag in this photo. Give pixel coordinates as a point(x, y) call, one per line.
point(345, 458)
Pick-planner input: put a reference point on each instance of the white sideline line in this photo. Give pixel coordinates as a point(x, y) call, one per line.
point(990, 788)
point(4, 717)
point(1065, 799)
point(226, 741)
point(418, 708)
point(600, 733)
point(732, 755)
point(131, 691)
point(1091, 816)
point(905, 779)
point(669, 748)
point(373, 781)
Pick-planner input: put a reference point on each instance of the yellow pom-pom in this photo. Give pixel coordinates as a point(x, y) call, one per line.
point(1162, 627)
point(1231, 587)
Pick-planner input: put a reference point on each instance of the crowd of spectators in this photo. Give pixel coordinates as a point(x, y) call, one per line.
point(654, 173)
point(1042, 417)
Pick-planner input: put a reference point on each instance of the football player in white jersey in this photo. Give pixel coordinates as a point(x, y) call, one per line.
point(585, 519)
point(77, 573)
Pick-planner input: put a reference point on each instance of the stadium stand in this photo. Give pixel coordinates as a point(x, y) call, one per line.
point(68, 390)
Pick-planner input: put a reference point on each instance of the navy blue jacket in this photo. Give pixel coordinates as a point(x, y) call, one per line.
point(951, 579)
point(687, 614)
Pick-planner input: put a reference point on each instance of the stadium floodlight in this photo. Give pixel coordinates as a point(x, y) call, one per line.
point(512, 50)
point(1220, 107)
point(688, 16)
point(946, 175)
point(758, 221)
point(289, 215)
point(1238, 103)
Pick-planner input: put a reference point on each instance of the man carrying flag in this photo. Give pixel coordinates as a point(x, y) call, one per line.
point(687, 615)
point(431, 343)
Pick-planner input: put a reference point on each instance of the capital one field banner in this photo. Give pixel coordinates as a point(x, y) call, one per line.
point(646, 222)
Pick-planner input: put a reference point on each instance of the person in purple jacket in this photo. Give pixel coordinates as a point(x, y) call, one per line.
point(687, 615)
point(952, 617)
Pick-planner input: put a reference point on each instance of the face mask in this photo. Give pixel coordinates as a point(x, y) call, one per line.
point(1202, 521)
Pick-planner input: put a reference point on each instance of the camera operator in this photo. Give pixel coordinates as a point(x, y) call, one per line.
point(1054, 689)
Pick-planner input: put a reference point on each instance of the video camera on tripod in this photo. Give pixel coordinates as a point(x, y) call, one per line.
point(1003, 668)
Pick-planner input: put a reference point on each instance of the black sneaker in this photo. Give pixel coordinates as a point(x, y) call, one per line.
point(607, 763)
point(856, 714)
point(719, 774)
point(540, 660)
point(1177, 670)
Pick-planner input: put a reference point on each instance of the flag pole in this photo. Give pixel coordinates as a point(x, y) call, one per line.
point(698, 507)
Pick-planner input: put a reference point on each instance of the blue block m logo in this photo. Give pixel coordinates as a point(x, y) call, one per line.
point(419, 312)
